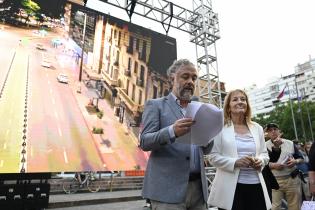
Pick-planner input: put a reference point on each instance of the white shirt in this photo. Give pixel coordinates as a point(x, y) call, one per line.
point(246, 147)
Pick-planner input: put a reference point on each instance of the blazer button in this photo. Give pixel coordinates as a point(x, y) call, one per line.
point(187, 158)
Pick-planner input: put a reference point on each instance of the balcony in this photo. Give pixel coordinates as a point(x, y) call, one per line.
point(140, 82)
point(127, 73)
point(128, 101)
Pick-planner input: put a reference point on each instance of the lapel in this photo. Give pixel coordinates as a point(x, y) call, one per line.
point(255, 134)
point(174, 107)
point(229, 130)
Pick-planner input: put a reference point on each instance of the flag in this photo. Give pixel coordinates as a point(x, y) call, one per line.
point(281, 94)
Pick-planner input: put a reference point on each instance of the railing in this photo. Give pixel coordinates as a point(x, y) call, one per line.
point(113, 182)
point(210, 173)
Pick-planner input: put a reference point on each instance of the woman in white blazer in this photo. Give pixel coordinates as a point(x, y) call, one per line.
point(239, 154)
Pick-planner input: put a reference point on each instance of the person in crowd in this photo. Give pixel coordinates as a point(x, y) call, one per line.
point(303, 167)
point(270, 180)
point(283, 160)
point(175, 176)
point(239, 154)
point(307, 148)
point(311, 171)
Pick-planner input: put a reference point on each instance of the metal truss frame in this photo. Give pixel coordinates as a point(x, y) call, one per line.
point(203, 26)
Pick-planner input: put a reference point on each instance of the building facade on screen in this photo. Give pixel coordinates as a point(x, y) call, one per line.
point(130, 61)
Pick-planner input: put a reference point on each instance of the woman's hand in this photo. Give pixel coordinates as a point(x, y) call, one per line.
point(256, 164)
point(243, 162)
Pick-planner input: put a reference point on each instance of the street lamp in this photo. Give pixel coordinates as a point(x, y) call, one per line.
point(82, 49)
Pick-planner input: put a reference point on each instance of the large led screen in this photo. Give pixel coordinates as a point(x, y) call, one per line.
point(59, 112)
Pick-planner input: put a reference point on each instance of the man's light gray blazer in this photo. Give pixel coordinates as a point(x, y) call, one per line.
point(167, 172)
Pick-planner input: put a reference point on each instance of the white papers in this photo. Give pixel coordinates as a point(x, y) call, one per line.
point(209, 122)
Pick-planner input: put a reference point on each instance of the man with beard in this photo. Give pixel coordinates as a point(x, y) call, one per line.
point(175, 177)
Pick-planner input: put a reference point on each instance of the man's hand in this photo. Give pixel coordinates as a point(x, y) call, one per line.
point(243, 162)
point(276, 166)
point(182, 126)
point(291, 162)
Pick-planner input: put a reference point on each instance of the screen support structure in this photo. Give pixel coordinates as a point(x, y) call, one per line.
point(201, 24)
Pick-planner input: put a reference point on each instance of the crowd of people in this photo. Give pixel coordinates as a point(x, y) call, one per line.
point(256, 167)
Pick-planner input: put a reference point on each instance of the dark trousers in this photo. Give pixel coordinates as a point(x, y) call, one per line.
point(248, 197)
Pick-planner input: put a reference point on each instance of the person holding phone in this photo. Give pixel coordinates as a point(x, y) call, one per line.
point(283, 161)
point(239, 154)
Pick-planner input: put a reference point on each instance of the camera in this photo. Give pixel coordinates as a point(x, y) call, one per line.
point(294, 173)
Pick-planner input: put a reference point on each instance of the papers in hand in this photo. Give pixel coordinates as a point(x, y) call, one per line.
point(208, 123)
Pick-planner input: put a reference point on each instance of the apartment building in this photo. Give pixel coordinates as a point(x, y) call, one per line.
point(305, 79)
point(299, 85)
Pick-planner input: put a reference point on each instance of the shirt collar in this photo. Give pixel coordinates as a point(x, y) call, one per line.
point(176, 99)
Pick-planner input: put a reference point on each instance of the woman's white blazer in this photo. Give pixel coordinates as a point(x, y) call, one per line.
point(223, 157)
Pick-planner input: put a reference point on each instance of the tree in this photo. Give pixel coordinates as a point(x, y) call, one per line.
point(282, 116)
point(30, 8)
point(40, 18)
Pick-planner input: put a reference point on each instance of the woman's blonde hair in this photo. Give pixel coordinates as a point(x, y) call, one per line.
point(227, 110)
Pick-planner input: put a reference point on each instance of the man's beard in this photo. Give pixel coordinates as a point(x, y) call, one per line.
point(185, 94)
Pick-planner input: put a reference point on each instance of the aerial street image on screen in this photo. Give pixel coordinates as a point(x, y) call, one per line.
point(73, 85)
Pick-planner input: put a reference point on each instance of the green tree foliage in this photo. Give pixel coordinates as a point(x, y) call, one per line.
point(30, 7)
point(51, 8)
point(283, 117)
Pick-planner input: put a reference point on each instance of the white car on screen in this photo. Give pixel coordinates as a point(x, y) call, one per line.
point(63, 78)
point(46, 63)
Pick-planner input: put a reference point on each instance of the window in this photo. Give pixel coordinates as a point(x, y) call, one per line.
point(117, 59)
point(115, 34)
point(133, 92)
point(274, 88)
point(137, 44)
point(129, 64)
point(130, 46)
point(111, 72)
point(127, 87)
point(140, 97)
point(136, 67)
point(119, 38)
point(155, 91)
point(142, 71)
